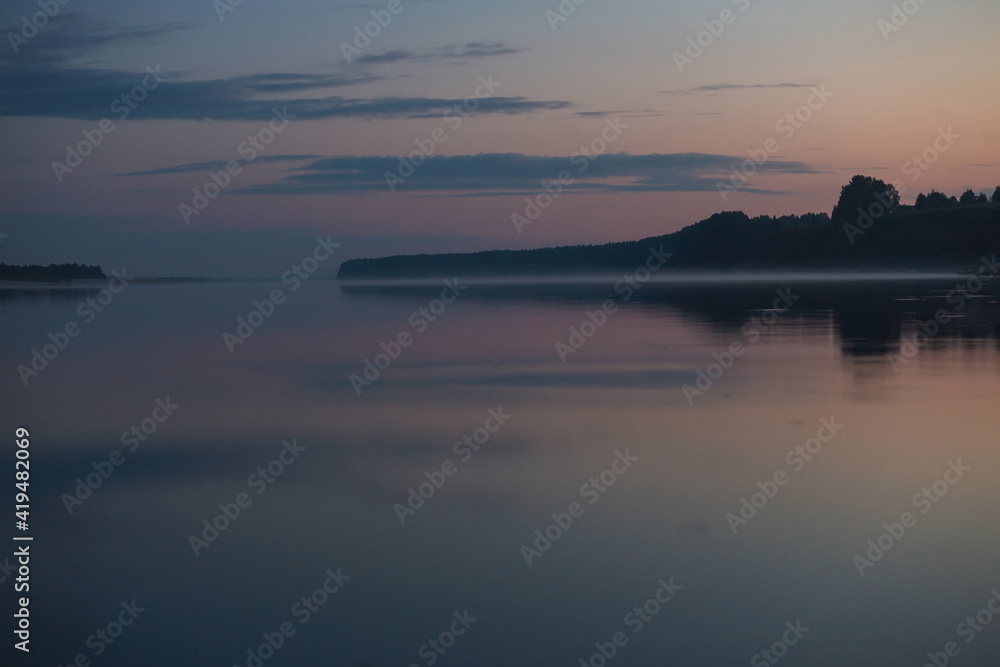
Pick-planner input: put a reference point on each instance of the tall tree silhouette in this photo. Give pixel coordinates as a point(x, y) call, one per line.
point(865, 193)
point(937, 199)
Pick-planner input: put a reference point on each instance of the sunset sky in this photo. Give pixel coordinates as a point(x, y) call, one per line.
point(880, 96)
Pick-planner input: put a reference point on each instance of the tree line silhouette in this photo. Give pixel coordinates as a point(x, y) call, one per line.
point(935, 199)
point(865, 194)
point(904, 239)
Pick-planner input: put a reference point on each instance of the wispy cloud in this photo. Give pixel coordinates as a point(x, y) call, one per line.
point(645, 113)
point(514, 173)
point(56, 77)
point(722, 87)
point(218, 164)
point(88, 94)
point(72, 37)
point(456, 53)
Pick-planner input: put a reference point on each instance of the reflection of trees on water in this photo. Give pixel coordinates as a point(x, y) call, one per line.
point(868, 317)
point(57, 295)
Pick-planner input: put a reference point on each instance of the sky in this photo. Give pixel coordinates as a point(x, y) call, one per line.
point(529, 124)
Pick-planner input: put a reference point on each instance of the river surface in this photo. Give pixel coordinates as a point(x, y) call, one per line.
point(705, 464)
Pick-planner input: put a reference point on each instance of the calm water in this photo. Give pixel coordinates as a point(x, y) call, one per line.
point(900, 422)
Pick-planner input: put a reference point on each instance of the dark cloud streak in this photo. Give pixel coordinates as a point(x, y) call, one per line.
point(457, 54)
point(89, 93)
point(49, 78)
point(514, 173)
point(70, 37)
point(722, 87)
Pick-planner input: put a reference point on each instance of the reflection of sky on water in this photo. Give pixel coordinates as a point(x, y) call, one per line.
point(495, 347)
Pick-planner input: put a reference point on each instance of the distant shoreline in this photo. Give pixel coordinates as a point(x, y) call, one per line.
point(903, 241)
point(88, 283)
point(676, 277)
